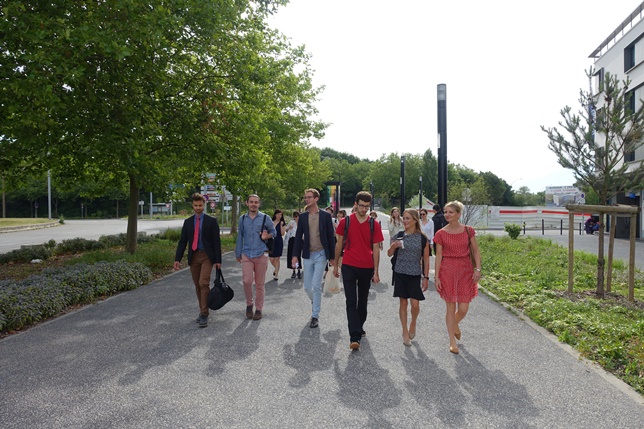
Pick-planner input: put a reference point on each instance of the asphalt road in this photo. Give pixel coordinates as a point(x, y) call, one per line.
point(138, 360)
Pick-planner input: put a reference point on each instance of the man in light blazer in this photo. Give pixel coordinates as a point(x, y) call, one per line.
point(204, 252)
point(315, 238)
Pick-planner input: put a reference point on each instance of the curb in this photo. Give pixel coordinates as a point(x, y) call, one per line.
point(28, 227)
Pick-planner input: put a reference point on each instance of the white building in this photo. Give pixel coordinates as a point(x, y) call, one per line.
point(622, 55)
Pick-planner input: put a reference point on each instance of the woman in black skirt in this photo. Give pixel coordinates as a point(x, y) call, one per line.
point(411, 271)
point(290, 238)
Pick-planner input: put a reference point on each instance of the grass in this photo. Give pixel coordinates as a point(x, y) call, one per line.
point(10, 222)
point(531, 275)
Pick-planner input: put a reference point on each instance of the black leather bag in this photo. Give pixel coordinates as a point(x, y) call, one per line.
point(270, 243)
point(220, 293)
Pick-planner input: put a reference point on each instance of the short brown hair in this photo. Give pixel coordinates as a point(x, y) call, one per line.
point(363, 196)
point(197, 197)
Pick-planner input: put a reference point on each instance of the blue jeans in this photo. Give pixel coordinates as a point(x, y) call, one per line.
point(313, 270)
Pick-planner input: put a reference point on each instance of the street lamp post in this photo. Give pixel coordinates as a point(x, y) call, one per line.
point(371, 192)
point(442, 144)
point(402, 183)
point(420, 193)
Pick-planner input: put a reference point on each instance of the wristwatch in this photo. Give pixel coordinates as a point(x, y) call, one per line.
point(477, 269)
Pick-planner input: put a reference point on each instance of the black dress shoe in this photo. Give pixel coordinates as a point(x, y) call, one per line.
point(314, 323)
point(293, 275)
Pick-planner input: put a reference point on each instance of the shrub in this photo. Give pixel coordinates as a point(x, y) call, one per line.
point(171, 234)
point(77, 245)
point(25, 255)
point(513, 230)
point(61, 219)
point(44, 295)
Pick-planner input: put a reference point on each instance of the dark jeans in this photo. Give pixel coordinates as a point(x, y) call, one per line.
point(357, 282)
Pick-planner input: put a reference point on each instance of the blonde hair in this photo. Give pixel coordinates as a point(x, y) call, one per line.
point(414, 215)
point(456, 205)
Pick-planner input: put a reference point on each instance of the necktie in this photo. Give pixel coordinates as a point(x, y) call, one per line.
point(195, 239)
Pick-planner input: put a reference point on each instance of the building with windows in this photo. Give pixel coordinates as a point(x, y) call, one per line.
point(622, 55)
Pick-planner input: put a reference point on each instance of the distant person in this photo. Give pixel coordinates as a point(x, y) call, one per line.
point(395, 224)
point(315, 239)
point(428, 228)
point(591, 225)
point(439, 220)
point(456, 279)
point(374, 216)
point(289, 238)
point(411, 271)
point(360, 262)
point(200, 233)
point(278, 245)
point(252, 252)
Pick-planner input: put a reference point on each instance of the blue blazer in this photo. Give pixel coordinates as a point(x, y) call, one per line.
point(209, 238)
point(302, 241)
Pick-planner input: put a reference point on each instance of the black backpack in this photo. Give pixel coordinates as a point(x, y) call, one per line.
point(345, 241)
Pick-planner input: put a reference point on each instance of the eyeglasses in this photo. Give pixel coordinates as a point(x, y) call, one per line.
point(364, 206)
point(423, 214)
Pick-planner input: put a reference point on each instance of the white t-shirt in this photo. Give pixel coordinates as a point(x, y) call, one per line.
point(428, 229)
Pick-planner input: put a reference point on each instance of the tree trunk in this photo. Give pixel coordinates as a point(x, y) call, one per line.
point(132, 209)
point(233, 215)
point(601, 262)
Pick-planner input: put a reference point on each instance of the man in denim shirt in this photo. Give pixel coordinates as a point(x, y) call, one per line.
point(251, 250)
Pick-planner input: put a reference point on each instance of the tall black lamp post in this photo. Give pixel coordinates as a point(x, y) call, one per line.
point(402, 183)
point(442, 144)
point(371, 192)
point(420, 193)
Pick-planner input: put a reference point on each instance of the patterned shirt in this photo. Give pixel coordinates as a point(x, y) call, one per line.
point(408, 260)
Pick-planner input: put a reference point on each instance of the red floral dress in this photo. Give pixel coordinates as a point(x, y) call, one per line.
point(456, 268)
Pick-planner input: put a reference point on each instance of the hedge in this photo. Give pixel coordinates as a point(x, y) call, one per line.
point(44, 295)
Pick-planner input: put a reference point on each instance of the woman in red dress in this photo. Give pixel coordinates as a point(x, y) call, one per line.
point(456, 279)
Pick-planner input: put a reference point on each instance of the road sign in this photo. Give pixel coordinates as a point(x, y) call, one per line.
point(212, 204)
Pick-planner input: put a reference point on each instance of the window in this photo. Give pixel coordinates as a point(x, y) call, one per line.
point(629, 57)
point(630, 103)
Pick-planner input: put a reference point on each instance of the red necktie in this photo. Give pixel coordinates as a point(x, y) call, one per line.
point(195, 239)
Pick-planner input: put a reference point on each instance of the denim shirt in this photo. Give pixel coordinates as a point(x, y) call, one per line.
point(249, 240)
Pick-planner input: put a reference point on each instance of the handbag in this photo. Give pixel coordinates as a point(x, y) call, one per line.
point(270, 243)
point(469, 246)
point(332, 283)
point(220, 293)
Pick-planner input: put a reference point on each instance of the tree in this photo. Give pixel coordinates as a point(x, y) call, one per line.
point(151, 93)
point(475, 197)
point(602, 136)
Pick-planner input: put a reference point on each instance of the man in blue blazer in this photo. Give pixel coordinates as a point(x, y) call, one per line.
point(201, 233)
point(315, 238)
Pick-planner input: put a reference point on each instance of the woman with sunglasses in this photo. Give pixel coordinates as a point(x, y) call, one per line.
point(427, 225)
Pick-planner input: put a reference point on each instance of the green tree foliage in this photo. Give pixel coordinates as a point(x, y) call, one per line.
point(151, 92)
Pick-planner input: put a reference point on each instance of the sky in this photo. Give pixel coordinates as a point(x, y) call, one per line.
point(509, 67)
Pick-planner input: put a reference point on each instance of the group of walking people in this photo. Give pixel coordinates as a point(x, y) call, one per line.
point(351, 245)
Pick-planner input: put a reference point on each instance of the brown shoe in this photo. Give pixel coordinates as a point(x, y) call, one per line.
point(258, 315)
point(249, 312)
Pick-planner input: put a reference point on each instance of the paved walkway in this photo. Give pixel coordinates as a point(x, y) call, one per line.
point(138, 360)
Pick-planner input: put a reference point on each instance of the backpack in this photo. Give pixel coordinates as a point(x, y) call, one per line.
point(423, 243)
point(270, 243)
point(346, 231)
